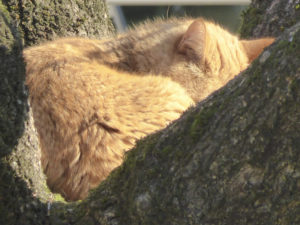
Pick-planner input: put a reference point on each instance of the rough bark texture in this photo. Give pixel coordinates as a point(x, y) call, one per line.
point(46, 19)
point(23, 190)
point(269, 17)
point(233, 159)
point(20, 172)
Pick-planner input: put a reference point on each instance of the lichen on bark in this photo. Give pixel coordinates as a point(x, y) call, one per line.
point(24, 196)
point(42, 20)
point(269, 17)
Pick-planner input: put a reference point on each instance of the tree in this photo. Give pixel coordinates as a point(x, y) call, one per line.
point(23, 190)
point(233, 159)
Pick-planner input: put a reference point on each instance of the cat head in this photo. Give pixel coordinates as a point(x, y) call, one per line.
point(203, 38)
point(207, 57)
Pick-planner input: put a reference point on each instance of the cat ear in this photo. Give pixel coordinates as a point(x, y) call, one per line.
point(192, 43)
point(253, 48)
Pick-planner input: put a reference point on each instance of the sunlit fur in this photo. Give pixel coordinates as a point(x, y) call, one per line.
point(92, 99)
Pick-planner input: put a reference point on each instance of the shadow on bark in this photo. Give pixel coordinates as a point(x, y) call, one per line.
point(12, 89)
point(18, 143)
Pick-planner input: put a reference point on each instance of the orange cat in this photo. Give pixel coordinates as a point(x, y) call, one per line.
point(92, 99)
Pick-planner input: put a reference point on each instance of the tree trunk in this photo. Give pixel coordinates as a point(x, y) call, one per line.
point(233, 159)
point(269, 17)
point(24, 196)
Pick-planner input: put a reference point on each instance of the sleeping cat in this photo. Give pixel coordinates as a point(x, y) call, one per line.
point(92, 99)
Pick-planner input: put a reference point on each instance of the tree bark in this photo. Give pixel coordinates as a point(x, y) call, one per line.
point(24, 196)
point(269, 17)
point(232, 159)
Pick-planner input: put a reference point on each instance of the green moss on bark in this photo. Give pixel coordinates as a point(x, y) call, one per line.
point(269, 18)
point(12, 89)
point(24, 196)
point(251, 17)
point(45, 20)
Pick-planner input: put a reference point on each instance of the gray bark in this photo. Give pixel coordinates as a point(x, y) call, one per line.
point(233, 159)
point(269, 17)
point(24, 196)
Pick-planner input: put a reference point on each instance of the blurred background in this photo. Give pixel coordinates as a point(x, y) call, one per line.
point(225, 12)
